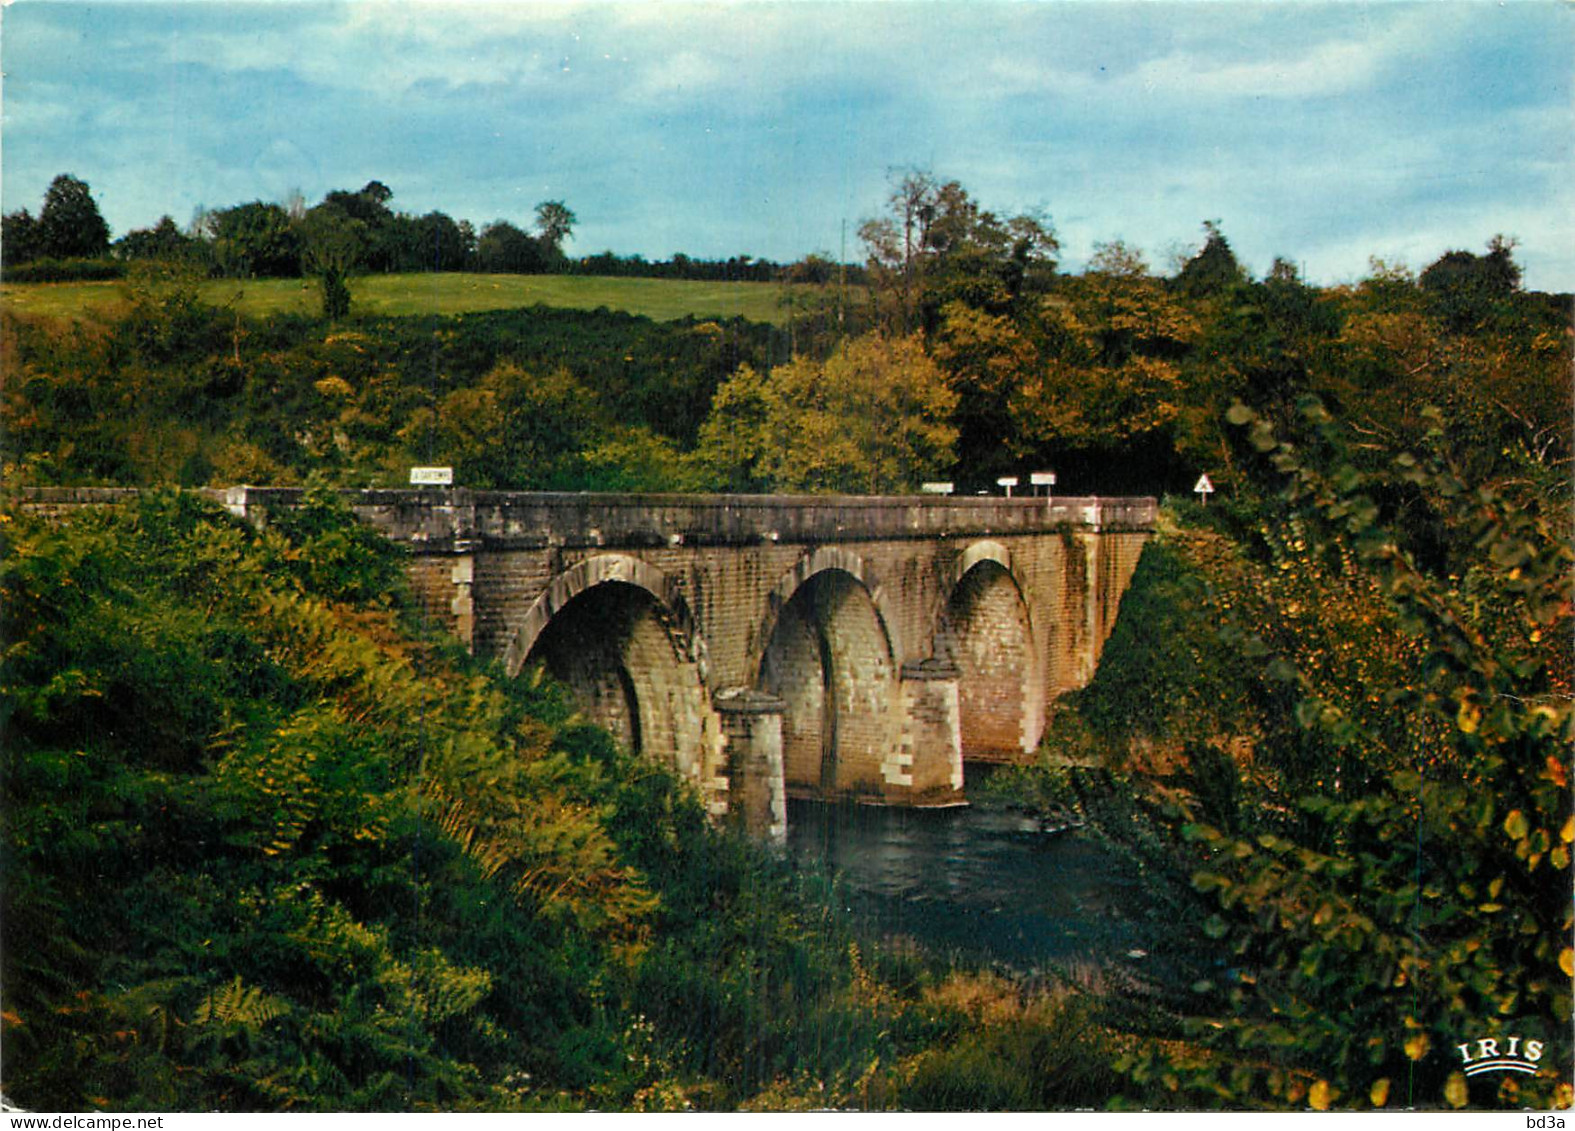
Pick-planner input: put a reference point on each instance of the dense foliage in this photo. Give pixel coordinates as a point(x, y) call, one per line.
point(1342, 715)
point(177, 392)
point(1406, 888)
point(66, 271)
point(1338, 704)
point(1115, 378)
point(873, 418)
point(238, 877)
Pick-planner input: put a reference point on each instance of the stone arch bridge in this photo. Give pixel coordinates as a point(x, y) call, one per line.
point(772, 646)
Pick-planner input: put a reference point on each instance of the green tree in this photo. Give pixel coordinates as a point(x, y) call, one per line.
point(1213, 270)
point(164, 241)
point(333, 245)
point(1464, 289)
point(1267, 346)
point(638, 459)
point(69, 224)
point(987, 358)
point(368, 204)
point(982, 260)
point(554, 224)
point(814, 300)
point(997, 354)
point(504, 248)
point(20, 239)
point(389, 238)
point(936, 246)
point(440, 243)
point(513, 430)
point(254, 240)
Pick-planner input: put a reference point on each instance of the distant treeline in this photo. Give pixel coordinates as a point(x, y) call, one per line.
point(347, 232)
point(737, 269)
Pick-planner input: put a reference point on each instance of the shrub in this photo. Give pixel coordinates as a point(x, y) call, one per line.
point(65, 271)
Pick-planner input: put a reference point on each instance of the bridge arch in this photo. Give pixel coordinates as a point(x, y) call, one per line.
point(829, 655)
point(613, 631)
point(819, 560)
point(596, 570)
point(986, 631)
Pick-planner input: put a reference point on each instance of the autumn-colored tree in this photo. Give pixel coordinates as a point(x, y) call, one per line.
point(513, 430)
point(1111, 370)
point(873, 418)
point(1502, 382)
point(987, 359)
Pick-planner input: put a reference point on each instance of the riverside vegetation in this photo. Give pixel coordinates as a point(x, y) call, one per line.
point(1333, 724)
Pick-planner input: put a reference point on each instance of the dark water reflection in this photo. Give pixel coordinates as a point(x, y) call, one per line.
point(978, 884)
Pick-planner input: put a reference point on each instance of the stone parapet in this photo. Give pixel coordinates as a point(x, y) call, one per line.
point(434, 517)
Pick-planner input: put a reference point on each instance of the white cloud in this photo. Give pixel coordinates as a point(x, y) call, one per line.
point(685, 73)
point(383, 47)
point(1330, 68)
point(1228, 52)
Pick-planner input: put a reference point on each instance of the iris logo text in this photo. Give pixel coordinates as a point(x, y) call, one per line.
point(1494, 1054)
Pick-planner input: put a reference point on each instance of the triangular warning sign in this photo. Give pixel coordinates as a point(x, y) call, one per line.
point(1203, 487)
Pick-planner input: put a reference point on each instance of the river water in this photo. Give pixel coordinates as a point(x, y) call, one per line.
point(977, 884)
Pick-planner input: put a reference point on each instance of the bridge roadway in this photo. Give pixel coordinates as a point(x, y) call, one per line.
point(863, 648)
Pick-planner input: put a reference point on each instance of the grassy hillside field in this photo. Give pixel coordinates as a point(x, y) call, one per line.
point(659, 299)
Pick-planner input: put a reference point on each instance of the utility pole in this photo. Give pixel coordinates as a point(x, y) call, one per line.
point(842, 275)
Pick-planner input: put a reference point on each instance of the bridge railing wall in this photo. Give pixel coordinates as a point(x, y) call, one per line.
point(525, 519)
point(815, 516)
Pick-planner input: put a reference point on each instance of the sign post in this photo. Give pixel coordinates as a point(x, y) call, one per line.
point(1007, 481)
point(431, 476)
point(1203, 489)
point(1043, 479)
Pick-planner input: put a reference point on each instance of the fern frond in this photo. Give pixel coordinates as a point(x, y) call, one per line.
point(239, 1004)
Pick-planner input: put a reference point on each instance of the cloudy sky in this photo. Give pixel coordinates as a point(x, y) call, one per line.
point(1323, 132)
